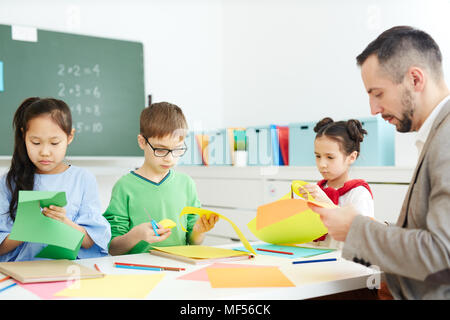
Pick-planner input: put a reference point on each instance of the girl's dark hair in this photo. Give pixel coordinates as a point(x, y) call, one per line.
point(349, 134)
point(21, 173)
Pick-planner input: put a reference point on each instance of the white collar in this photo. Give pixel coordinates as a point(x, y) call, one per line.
point(425, 129)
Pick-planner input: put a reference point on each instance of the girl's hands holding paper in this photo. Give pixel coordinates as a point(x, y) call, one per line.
point(59, 213)
point(315, 191)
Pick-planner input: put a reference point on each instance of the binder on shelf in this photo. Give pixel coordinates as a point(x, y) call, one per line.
point(277, 160)
point(259, 139)
point(192, 157)
point(283, 138)
point(202, 141)
point(218, 147)
point(301, 144)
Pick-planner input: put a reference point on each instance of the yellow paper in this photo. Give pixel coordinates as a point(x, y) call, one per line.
point(113, 286)
point(279, 210)
point(300, 228)
point(297, 184)
point(279, 225)
point(201, 252)
point(204, 212)
point(247, 277)
point(167, 223)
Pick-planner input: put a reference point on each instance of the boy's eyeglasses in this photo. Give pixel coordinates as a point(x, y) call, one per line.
point(162, 152)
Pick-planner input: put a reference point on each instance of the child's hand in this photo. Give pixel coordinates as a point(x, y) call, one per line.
point(315, 191)
point(57, 213)
point(145, 232)
point(204, 225)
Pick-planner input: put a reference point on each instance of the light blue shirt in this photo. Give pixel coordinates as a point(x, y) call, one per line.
point(83, 207)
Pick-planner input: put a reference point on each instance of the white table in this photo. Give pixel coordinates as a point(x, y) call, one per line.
point(311, 279)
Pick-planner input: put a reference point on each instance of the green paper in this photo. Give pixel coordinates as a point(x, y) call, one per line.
point(31, 225)
point(55, 252)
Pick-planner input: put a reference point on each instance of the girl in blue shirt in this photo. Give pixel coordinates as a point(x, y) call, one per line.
point(43, 131)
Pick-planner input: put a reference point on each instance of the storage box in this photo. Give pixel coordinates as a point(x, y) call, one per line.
point(378, 147)
point(259, 146)
point(301, 144)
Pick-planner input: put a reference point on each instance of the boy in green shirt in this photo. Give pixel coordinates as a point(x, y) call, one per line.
point(154, 190)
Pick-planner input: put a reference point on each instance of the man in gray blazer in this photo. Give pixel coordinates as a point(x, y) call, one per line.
point(402, 73)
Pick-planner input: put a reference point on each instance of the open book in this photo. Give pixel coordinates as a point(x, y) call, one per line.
point(47, 270)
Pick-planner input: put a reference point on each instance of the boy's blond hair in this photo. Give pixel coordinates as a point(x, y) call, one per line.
point(162, 119)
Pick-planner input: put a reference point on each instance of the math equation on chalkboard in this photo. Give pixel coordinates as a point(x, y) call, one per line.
point(82, 96)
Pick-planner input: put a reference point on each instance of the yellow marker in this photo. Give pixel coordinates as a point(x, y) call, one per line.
point(167, 223)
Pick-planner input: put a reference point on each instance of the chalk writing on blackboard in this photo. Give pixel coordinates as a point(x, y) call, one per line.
point(85, 99)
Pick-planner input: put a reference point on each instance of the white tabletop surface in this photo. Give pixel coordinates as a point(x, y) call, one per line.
point(311, 279)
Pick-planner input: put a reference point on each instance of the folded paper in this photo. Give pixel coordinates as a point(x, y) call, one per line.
point(288, 220)
point(204, 212)
point(31, 225)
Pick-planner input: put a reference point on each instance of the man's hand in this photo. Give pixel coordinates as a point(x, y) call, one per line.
point(337, 221)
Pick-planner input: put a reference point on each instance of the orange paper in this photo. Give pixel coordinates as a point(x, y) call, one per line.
point(279, 210)
point(247, 277)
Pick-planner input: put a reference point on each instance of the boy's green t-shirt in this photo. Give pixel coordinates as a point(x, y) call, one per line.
point(133, 196)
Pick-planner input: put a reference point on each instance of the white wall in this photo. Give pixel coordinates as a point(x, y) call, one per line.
point(182, 42)
point(243, 62)
point(292, 61)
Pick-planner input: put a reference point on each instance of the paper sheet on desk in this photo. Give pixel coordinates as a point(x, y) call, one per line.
point(288, 220)
point(204, 212)
point(133, 286)
point(247, 277)
point(202, 275)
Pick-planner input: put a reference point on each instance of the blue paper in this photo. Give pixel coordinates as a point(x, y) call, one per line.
point(298, 252)
point(1, 76)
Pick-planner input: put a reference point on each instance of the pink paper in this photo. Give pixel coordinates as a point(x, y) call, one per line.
point(202, 275)
point(46, 290)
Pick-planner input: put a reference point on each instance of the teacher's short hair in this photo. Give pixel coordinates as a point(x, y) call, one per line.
point(401, 47)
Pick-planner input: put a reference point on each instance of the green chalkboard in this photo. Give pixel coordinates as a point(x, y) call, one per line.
point(102, 80)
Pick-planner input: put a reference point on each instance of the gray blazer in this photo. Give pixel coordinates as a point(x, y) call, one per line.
point(415, 253)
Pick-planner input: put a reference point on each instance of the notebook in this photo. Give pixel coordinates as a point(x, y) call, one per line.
point(198, 254)
point(47, 270)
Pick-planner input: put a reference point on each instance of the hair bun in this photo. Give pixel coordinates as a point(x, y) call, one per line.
point(323, 123)
point(355, 130)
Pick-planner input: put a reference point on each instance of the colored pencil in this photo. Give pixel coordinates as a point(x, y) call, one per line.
point(148, 266)
point(96, 267)
point(5, 278)
point(138, 268)
point(309, 261)
point(7, 287)
point(274, 251)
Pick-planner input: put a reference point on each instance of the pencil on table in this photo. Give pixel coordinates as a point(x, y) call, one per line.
point(149, 266)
